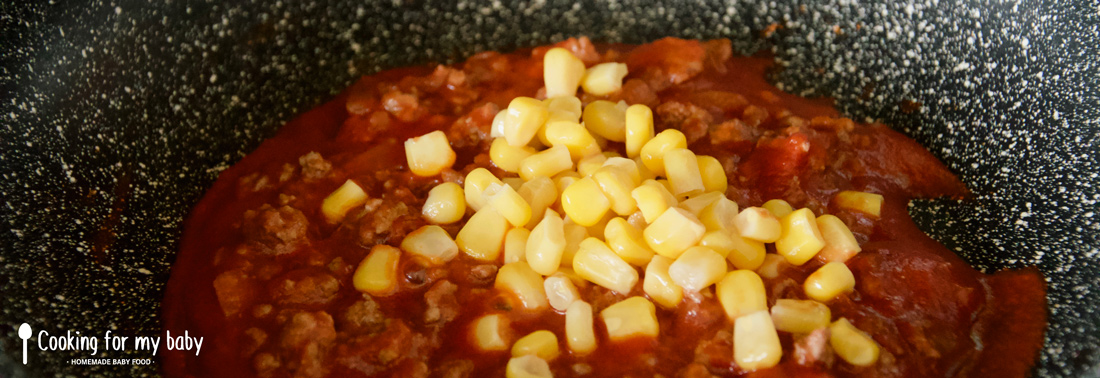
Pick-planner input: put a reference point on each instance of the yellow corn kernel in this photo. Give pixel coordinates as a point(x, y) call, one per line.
point(520, 280)
point(508, 203)
point(851, 344)
point(746, 253)
point(431, 244)
point(616, 185)
point(714, 175)
point(563, 180)
point(682, 170)
point(652, 199)
point(673, 232)
point(627, 242)
point(779, 208)
point(632, 317)
point(542, 343)
point(741, 292)
point(525, 116)
point(643, 172)
point(560, 291)
point(659, 286)
point(483, 235)
point(840, 244)
point(547, 163)
point(596, 263)
point(445, 204)
point(515, 245)
point(492, 333)
point(496, 130)
point(627, 165)
point(868, 203)
point(377, 273)
point(507, 157)
point(589, 164)
point(653, 152)
point(604, 78)
point(720, 215)
point(429, 154)
point(561, 72)
point(829, 281)
point(513, 182)
point(580, 334)
point(342, 200)
point(556, 116)
point(597, 229)
point(755, 342)
point(771, 266)
point(610, 154)
point(584, 202)
point(697, 268)
point(719, 241)
point(546, 244)
point(800, 316)
point(637, 220)
point(474, 187)
point(758, 224)
point(606, 119)
point(528, 366)
point(540, 193)
point(570, 105)
point(574, 235)
point(801, 239)
point(573, 136)
point(639, 128)
point(697, 203)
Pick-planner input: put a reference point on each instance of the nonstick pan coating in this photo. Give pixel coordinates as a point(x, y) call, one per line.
point(115, 117)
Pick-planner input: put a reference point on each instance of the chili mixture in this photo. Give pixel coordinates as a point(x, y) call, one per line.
point(577, 210)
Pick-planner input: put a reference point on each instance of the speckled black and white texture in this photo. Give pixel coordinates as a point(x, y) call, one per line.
point(170, 93)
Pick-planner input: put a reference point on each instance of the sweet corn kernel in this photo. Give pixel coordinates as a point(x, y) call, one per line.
point(556, 116)
point(560, 291)
point(584, 202)
point(474, 187)
point(851, 344)
point(829, 281)
point(697, 203)
point(606, 119)
point(377, 273)
point(714, 175)
point(779, 208)
point(570, 105)
point(496, 129)
point(637, 220)
point(540, 193)
point(580, 334)
point(643, 172)
point(508, 203)
point(547, 163)
point(652, 199)
point(746, 253)
point(755, 342)
point(604, 78)
point(445, 204)
point(659, 286)
point(508, 157)
point(801, 239)
point(563, 180)
point(719, 241)
point(492, 333)
point(673, 232)
point(342, 200)
point(573, 136)
point(429, 154)
point(653, 151)
point(514, 182)
point(800, 316)
point(697, 268)
point(771, 266)
point(610, 154)
point(632, 317)
point(515, 245)
point(589, 164)
point(542, 343)
point(561, 72)
point(639, 128)
point(720, 215)
point(431, 244)
point(528, 366)
point(574, 235)
point(682, 170)
point(741, 292)
point(525, 116)
point(626, 165)
point(520, 280)
point(546, 244)
point(868, 203)
point(598, 228)
point(758, 224)
point(840, 244)
point(596, 263)
point(483, 235)
point(627, 242)
point(617, 185)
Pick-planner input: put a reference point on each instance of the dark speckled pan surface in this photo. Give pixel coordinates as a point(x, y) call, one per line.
point(117, 116)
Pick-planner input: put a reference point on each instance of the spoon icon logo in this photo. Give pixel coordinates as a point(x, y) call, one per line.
point(25, 333)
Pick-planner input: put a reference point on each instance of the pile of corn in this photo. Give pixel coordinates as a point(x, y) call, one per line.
point(578, 214)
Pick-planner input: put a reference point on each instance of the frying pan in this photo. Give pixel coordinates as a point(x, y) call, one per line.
point(117, 115)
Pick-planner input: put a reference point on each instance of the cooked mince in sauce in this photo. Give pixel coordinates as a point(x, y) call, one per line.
point(404, 229)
